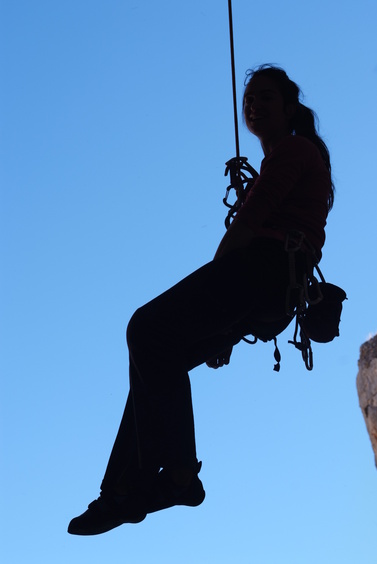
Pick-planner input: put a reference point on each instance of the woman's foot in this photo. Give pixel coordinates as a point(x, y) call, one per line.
point(108, 512)
point(169, 488)
point(176, 487)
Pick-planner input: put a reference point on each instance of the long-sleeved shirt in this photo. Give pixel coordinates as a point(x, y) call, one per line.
point(291, 193)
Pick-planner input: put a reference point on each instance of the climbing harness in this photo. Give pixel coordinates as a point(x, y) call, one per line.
point(317, 305)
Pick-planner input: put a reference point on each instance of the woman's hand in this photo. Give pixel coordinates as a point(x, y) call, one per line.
point(219, 360)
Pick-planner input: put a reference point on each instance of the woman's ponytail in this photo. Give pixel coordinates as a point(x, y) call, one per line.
point(305, 123)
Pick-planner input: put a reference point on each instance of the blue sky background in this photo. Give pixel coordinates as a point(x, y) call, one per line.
point(116, 122)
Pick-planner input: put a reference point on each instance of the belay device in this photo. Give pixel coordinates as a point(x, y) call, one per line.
point(316, 305)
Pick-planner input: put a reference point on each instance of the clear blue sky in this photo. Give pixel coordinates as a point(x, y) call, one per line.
point(116, 122)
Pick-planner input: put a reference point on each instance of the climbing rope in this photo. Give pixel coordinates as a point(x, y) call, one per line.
point(242, 174)
point(233, 66)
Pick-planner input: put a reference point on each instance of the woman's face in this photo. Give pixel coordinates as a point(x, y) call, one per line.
point(265, 113)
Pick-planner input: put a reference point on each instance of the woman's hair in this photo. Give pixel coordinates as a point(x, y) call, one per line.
point(304, 121)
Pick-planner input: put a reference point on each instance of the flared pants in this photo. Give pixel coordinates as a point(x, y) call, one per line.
point(200, 317)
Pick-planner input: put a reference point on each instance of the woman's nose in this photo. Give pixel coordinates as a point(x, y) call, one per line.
point(252, 104)
point(255, 104)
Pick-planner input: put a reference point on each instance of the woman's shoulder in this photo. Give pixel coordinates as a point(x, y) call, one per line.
point(297, 143)
point(296, 149)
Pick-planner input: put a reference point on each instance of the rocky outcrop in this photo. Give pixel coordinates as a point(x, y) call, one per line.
point(367, 388)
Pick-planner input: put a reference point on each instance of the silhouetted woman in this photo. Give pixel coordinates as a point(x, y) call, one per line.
point(153, 464)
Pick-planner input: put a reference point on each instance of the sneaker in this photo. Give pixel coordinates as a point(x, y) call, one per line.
point(108, 512)
point(165, 493)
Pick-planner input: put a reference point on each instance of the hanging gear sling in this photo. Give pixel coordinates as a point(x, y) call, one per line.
point(316, 305)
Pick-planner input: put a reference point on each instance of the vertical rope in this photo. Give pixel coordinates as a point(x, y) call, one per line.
point(233, 78)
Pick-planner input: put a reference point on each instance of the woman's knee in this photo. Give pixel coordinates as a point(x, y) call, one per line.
point(144, 325)
point(136, 327)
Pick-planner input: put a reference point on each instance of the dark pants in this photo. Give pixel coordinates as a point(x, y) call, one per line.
point(198, 318)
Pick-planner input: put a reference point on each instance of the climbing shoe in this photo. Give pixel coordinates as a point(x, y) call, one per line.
point(108, 512)
point(165, 493)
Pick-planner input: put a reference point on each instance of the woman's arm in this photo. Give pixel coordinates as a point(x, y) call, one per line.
point(237, 236)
